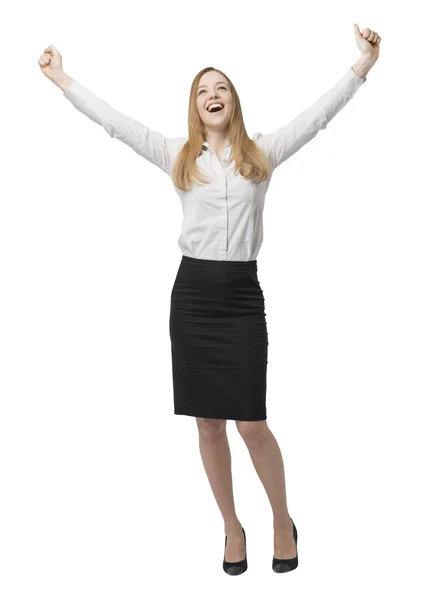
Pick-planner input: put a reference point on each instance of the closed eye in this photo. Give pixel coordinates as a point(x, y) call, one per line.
point(219, 88)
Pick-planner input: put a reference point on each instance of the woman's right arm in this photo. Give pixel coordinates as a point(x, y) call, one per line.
point(62, 81)
point(149, 144)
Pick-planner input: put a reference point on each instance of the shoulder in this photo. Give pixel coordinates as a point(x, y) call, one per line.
point(174, 145)
point(257, 138)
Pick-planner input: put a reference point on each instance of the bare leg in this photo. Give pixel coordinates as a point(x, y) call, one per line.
point(268, 462)
point(216, 457)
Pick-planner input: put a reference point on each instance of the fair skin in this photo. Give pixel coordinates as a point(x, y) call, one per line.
point(268, 463)
point(214, 87)
point(213, 442)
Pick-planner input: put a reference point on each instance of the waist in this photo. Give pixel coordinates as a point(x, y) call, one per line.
point(219, 265)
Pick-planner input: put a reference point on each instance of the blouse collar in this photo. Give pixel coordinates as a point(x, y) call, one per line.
point(206, 145)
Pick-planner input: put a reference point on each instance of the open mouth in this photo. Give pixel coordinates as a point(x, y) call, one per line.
point(215, 109)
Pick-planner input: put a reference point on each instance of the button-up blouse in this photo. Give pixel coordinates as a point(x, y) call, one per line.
point(222, 220)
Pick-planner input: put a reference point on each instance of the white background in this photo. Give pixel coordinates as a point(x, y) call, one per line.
point(104, 494)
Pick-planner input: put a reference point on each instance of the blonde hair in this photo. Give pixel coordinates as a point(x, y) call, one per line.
point(250, 161)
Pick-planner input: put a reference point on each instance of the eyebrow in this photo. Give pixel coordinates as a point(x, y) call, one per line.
point(200, 86)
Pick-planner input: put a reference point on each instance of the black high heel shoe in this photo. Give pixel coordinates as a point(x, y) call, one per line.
point(235, 568)
point(283, 565)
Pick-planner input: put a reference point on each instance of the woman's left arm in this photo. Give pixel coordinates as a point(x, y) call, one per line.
point(287, 140)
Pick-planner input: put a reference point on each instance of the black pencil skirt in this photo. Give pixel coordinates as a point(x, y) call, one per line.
point(218, 333)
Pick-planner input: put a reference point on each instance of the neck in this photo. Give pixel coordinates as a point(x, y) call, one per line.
point(217, 139)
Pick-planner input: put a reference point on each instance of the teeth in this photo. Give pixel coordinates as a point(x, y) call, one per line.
point(216, 104)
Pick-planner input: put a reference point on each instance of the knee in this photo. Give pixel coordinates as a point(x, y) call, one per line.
point(252, 432)
point(211, 428)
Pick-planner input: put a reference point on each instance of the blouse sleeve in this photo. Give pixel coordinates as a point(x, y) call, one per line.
point(149, 144)
point(286, 141)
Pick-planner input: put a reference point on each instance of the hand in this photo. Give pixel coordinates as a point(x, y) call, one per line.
point(51, 62)
point(368, 42)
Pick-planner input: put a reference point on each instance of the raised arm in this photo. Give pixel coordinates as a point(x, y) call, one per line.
point(146, 142)
point(286, 141)
point(149, 144)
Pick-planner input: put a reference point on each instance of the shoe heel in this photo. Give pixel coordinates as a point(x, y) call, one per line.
point(239, 567)
point(283, 565)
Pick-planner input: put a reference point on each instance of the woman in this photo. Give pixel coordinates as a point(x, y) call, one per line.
point(217, 321)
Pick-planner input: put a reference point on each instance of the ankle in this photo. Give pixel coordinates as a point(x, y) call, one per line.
point(282, 525)
point(232, 527)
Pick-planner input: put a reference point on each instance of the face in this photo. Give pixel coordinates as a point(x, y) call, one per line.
point(214, 88)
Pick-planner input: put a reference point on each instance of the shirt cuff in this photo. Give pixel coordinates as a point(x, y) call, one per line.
point(76, 94)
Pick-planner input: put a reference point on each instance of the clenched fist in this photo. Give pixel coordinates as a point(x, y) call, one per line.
point(51, 62)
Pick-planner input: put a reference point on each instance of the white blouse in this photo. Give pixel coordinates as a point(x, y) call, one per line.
point(222, 220)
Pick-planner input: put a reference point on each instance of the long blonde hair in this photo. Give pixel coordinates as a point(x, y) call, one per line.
point(250, 161)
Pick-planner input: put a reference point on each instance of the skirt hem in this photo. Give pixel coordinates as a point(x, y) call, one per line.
point(188, 413)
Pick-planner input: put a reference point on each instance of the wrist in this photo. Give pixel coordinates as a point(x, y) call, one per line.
point(62, 80)
point(363, 65)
